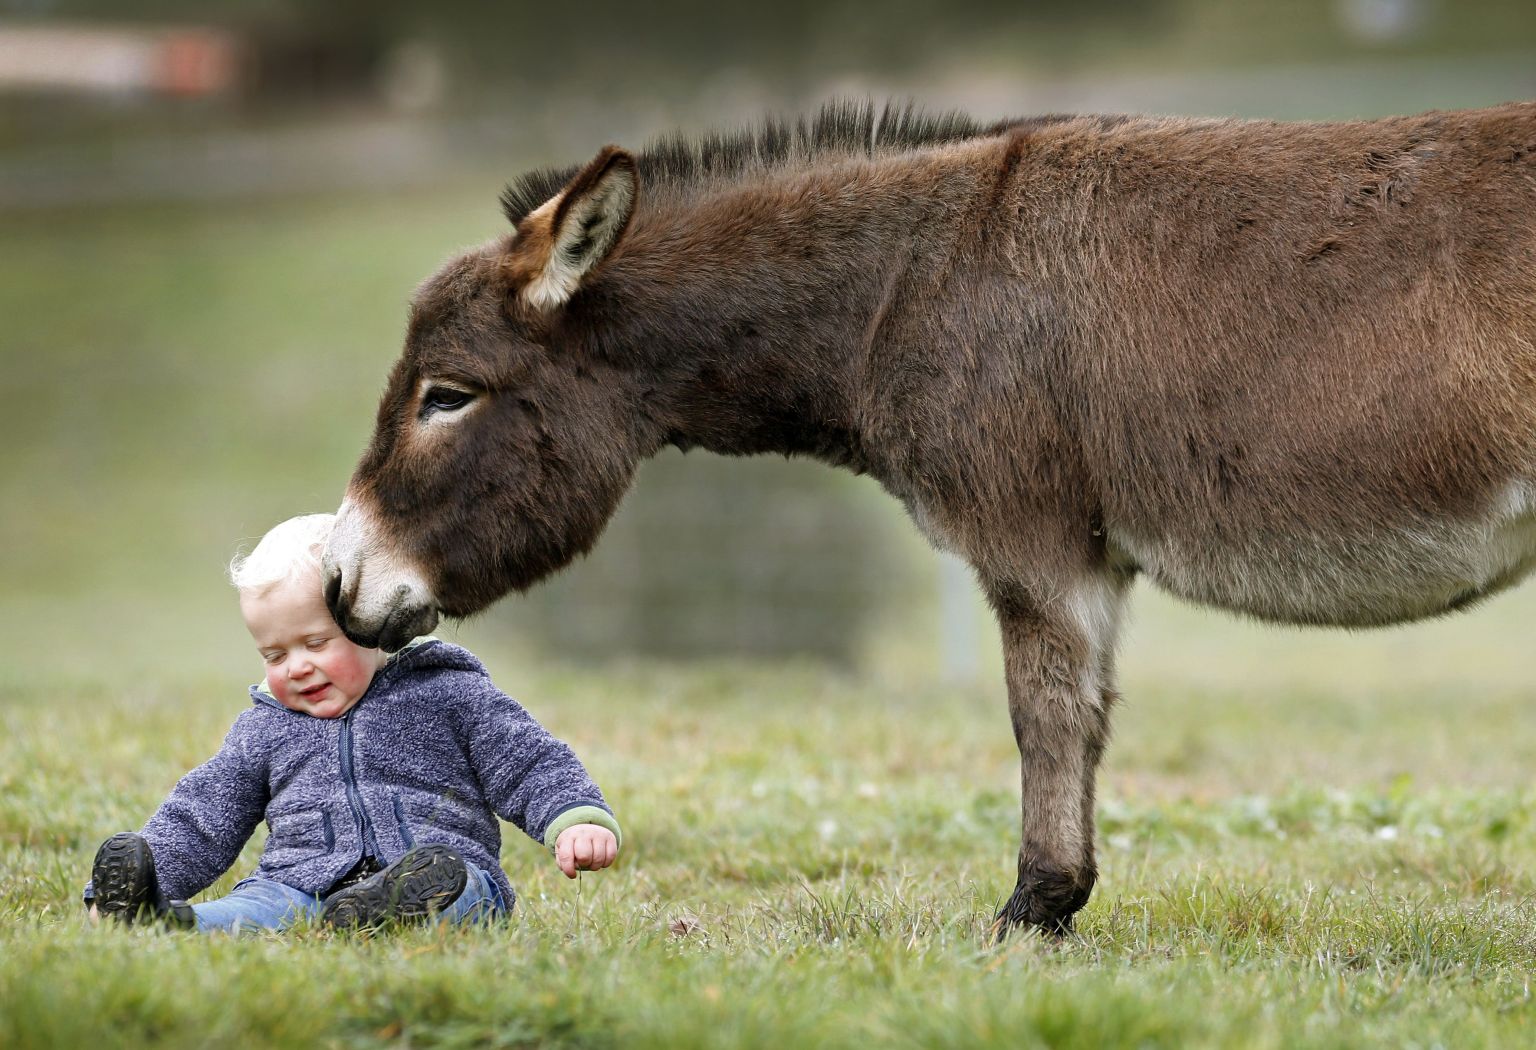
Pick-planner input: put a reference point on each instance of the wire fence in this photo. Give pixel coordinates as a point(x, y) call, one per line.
point(709, 556)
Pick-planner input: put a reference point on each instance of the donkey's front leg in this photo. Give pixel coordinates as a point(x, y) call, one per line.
point(1056, 651)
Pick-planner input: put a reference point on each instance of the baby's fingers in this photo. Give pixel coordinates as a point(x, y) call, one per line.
point(582, 851)
point(564, 859)
point(604, 850)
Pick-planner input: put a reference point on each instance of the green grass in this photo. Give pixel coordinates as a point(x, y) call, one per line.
point(1305, 839)
point(813, 860)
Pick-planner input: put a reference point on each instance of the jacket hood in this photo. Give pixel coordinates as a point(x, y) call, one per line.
point(423, 654)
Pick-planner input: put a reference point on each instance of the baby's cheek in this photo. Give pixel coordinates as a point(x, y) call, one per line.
point(284, 695)
point(358, 674)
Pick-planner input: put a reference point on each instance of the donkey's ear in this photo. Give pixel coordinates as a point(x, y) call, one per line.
point(590, 215)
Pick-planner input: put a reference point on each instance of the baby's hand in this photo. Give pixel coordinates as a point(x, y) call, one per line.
point(585, 847)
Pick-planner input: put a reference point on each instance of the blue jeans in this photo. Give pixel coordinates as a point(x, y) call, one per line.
point(261, 904)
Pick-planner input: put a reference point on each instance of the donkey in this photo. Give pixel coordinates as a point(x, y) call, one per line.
point(1284, 369)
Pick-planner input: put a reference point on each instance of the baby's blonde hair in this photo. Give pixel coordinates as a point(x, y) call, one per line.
point(288, 550)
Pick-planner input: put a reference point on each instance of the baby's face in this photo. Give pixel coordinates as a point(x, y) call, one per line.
point(311, 666)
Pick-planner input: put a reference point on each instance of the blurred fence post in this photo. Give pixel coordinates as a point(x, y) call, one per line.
point(957, 621)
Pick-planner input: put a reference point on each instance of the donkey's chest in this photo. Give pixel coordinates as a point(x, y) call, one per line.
point(1352, 580)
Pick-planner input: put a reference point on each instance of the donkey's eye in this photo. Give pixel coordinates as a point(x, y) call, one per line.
point(444, 399)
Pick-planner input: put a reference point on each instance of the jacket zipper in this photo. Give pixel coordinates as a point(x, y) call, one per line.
point(354, 796)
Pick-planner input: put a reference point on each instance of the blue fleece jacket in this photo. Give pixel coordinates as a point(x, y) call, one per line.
point(433, 752)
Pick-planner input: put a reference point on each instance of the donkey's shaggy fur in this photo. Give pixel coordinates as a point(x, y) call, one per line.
point(840, 129)
point(1285, 369)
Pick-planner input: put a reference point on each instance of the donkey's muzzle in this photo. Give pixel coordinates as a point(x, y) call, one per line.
point(379, 600)
point(403, 619)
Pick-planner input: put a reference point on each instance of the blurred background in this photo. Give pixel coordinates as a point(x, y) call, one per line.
point(212, 216)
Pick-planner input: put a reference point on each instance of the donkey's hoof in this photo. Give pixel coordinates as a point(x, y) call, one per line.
point(1045, 899)
point(1006, 921)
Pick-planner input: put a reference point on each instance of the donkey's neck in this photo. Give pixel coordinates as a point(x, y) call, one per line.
point(750, 315)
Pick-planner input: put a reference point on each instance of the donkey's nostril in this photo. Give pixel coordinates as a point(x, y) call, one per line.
point(333, 594)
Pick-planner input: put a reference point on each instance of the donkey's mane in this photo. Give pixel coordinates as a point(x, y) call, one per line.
point(841, 128)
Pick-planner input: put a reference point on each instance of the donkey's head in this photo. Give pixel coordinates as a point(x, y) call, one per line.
point(503, 442)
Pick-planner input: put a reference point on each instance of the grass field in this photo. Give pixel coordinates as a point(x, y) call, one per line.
point(813, 860)
point(1306, 839)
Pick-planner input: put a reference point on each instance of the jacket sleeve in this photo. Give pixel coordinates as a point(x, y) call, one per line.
point(529, 777)
point(201, 827)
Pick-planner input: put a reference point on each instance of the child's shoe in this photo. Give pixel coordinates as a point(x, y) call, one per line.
point(123, 880)
point(417, 886)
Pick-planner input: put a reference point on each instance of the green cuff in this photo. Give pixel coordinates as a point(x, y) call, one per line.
point(582, 815)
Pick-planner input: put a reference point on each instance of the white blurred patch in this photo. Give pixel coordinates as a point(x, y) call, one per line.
point(1381, 21)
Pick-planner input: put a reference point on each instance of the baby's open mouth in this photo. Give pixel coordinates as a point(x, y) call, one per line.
point(314, 689)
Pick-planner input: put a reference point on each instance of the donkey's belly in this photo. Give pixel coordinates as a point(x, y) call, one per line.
point(1385, 577)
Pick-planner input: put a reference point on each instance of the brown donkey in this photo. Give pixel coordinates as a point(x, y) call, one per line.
point(1284, 369)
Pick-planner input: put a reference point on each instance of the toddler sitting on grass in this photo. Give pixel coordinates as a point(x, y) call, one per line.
point(380, 778)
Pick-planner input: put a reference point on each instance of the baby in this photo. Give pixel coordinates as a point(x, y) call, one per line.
point(380, 778)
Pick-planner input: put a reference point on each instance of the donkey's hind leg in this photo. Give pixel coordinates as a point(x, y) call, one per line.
point(1057, 657)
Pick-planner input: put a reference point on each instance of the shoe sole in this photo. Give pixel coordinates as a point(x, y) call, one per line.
point(417, 886)
point(123, 878)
